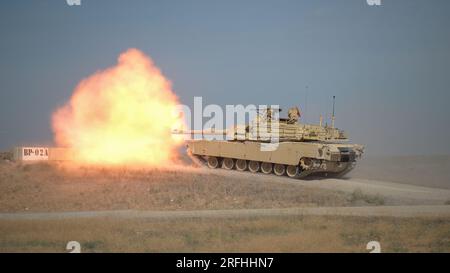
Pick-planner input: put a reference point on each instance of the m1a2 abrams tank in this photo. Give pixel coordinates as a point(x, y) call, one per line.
point(280, 146)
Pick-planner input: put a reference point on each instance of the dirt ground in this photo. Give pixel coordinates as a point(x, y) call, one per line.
point(46, 187)
point(426, 171)
point(58, 187)
point(43, 206)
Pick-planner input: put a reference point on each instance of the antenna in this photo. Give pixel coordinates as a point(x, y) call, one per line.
point(332, 117)
point(306, 104)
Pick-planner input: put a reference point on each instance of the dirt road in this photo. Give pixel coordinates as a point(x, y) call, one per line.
point(394, 193)
point(391, 211)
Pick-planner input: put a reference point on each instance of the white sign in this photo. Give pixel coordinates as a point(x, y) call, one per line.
point(34, 153)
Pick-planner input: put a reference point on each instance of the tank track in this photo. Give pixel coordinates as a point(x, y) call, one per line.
point(303, 173)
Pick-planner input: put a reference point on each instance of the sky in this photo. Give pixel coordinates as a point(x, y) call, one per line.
point(388, 65)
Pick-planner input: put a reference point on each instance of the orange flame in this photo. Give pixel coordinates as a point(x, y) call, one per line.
point(121, 115)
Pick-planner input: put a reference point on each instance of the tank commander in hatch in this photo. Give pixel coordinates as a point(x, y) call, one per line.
point(294, 115)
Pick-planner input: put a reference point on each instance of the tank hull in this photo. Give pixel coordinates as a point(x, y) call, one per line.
point(308, 157)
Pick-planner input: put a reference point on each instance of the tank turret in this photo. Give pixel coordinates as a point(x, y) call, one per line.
point(266, 128)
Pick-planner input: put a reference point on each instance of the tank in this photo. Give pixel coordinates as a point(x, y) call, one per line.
point(279, 146)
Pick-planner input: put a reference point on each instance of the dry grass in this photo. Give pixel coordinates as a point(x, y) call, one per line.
point(359, 197)
point(260, 234)
point(60, 187)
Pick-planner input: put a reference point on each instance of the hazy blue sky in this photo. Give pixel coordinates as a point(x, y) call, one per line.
point(388, 66)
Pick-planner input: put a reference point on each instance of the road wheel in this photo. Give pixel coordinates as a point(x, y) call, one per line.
point(241, 165)
point(279, 169)
point(292, 170)
point(213, 162)
point(266, 167)
point(228, 163)
point(254, 166)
